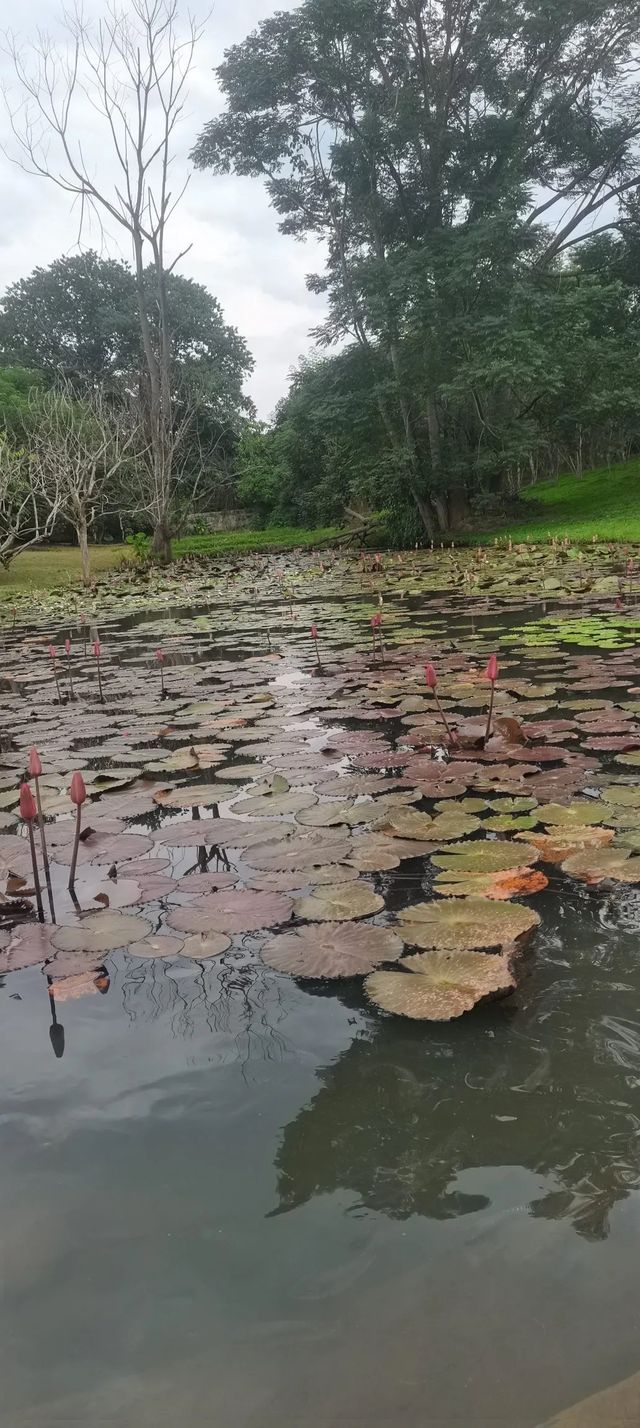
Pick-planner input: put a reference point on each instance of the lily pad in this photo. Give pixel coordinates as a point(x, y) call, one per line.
point(231, 911)
point(335, 950)
point(483, 856)
point(339, 902)
point(464, 926)
point(439, 986)
point(99, 932)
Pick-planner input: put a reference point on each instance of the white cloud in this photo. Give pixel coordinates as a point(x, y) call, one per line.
point(257, 274)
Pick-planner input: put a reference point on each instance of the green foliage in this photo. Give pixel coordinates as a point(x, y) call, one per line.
point(78, 319)
point(15, 385)
point(418, 148)
point(140, 545)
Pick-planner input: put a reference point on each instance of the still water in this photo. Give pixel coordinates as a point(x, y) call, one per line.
point(231, 1201)
point(234, 1202)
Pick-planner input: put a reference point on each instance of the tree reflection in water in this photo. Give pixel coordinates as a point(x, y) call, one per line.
point(546, 1081)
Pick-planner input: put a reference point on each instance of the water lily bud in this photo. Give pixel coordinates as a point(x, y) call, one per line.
point(159, 656)
point(77, 790)
point(491, 671)
point(52, 651)
point(67, 646)
point(28, 809)
point(314, 632)
point(35, 766)
point(96, 648)
point(430, 676)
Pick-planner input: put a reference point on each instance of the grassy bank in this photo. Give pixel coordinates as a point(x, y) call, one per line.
point(49, 567)
point(603, 503)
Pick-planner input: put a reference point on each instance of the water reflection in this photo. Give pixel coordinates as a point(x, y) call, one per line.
point(547, 1081)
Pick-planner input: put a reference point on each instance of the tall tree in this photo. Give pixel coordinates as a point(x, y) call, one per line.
point(441, 148)
point(132, 67)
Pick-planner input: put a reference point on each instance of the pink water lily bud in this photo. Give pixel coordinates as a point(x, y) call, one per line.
point(28, 809)
point(35, 766)
point(52, 651)
point(430, 676)
point(160, 656)
point(491, 671)
point(67, 646)
point(77, 790)
point(376, 621)
point(96, 648)
point(314, 632)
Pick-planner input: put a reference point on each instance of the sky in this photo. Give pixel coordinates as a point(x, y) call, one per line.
point(257, 274)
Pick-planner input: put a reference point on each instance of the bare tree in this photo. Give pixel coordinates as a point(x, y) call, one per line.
point(131, 68)
point(29, 502)
point(77, 448)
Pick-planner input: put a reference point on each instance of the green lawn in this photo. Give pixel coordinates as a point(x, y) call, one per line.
point(49, 567)
point(273, 538)
point(603, 503)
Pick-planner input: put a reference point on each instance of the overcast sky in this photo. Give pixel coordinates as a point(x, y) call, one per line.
point(237, 252)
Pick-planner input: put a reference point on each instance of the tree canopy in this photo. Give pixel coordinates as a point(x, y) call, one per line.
point(450, 155)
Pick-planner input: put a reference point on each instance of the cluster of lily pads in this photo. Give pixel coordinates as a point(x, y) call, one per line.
point(257, 767)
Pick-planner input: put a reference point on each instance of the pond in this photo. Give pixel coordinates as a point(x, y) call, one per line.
point(240, 1197)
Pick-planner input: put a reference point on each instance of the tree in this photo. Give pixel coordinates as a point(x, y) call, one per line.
point(77, 447)
point(132, 67)
point(29, 502)
point(78, 319)
point(447, 153)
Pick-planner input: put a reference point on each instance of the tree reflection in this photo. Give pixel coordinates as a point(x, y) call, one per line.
point(406, 1109)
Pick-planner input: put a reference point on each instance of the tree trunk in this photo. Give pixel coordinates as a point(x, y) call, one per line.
point(458, 505)
point(83, 542)
point(161, 544)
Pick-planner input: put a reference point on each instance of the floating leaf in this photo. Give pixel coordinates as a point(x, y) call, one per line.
point(231, 911)
point(340, 950)
point(29, 944)
point(595, 865)
point(99, 932)
point(199, 795)
point(464, 926)
point(273, 805)
point(571, 813)
point(515, 882)
point(157, 944)
point(205, 944)
point(439, 986)
point(339, 902)
point(486, 857)
point(406, 823)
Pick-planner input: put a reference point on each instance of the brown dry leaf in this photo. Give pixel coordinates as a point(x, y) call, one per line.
point(439, 986)
point(498, 887)
point(334, 950)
